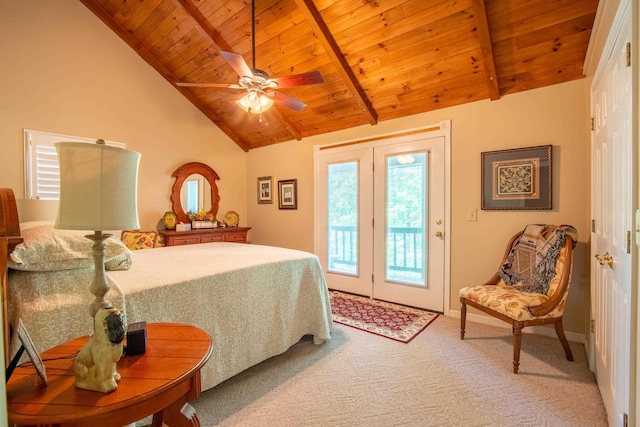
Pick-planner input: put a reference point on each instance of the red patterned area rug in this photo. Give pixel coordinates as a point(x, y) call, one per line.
point(397, 322)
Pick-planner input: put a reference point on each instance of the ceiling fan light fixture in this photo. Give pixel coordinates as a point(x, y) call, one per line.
point(255, 103)
point(260, 88)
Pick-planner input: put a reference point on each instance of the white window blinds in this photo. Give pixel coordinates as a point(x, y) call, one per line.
point(42, 173)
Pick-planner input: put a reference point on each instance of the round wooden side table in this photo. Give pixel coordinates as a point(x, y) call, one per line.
point(158, 382)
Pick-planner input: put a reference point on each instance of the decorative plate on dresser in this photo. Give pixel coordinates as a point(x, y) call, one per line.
point(231, 219)
point(170, 220)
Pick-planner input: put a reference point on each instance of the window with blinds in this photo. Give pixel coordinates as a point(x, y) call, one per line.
point(42, 172)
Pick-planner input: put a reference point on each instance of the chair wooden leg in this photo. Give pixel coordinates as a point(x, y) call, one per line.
point(563, 338)
point(517, 343)
point(463, 318)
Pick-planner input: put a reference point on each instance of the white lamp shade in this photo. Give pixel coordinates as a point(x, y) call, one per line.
point(98, 187)
point(37, 210)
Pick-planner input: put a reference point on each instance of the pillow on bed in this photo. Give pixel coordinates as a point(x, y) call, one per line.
point(136, 239)
point(48, 249)
point(121, 262)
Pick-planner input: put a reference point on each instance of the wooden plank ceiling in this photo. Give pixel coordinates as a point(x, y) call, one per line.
point(380, 59)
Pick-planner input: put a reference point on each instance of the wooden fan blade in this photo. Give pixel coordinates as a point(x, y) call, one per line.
point(310, 78)
point(205, 85)
point(238, 63)
point(287, 101)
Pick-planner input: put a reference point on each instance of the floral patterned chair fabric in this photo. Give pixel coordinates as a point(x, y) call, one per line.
point(524, 292)
point(136, 239)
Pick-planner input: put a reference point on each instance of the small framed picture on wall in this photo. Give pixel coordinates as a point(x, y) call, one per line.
point(265, 190)
point(288, 194)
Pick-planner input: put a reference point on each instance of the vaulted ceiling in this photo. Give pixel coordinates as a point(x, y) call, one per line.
point(379, 59)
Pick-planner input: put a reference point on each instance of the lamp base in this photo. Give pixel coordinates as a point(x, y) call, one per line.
point(95, 365)
point(100, 285)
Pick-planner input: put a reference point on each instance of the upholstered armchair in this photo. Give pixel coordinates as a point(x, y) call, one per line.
point(531, 286)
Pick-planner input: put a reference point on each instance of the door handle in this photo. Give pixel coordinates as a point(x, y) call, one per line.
point(605, 260)
point(439, 234)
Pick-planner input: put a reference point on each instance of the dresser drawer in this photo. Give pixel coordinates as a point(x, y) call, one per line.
point(186, 240)
point(209, 239)
point(235, 237)
point(205, 235)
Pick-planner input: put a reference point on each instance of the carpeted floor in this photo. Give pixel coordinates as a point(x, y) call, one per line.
point(359, 379)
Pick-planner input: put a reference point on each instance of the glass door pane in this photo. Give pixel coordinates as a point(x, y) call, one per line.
point(342, 211)
point(406, 202)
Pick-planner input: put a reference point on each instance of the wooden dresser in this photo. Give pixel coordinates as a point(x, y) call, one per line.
point(205, 235)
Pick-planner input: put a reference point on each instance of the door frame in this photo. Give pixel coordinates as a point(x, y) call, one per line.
point(610, 22)
point(441, 129)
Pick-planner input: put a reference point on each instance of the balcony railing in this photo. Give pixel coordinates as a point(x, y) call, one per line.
point(343, 249)
point(404, 252)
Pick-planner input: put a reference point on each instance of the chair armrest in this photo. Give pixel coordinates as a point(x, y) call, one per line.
point(493, 281)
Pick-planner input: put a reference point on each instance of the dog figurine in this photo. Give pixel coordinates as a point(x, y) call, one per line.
point(95, 365)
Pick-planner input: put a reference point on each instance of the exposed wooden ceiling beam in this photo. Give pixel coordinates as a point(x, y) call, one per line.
point(204, 27)
point(482, 26)
point(333, 50)
point(291, 128)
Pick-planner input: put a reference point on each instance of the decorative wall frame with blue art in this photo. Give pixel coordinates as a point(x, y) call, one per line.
point(517, 179)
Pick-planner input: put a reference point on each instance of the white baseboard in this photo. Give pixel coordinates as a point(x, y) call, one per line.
point(541, 330)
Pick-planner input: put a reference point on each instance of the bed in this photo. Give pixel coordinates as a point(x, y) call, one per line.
point(254, 301)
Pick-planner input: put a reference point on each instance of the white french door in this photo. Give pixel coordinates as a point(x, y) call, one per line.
point(381, 211)
point(409, 210)
point(612, 215)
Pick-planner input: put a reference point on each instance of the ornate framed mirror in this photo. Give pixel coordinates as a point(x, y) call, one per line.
point(194, 172)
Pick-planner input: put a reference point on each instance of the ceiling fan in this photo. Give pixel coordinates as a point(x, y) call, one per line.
point(260, 88)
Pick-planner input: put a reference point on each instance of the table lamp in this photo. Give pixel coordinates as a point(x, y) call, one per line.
point(98, 191)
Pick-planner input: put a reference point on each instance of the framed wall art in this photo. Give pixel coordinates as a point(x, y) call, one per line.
point(517, 179)
point(265, 190)
point(288, 194)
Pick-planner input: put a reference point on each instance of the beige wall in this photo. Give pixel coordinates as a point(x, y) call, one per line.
point(554, 115)
point(64, 71)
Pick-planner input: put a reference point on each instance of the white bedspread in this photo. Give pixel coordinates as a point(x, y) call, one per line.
point(254, 301)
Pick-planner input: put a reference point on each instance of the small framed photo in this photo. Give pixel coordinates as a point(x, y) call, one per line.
point(288, 194)
point(265, 190)
point(517, 179)
point(30, 348)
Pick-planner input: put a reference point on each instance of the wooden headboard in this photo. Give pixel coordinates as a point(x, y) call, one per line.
point(9, 223)
point(9, 238)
